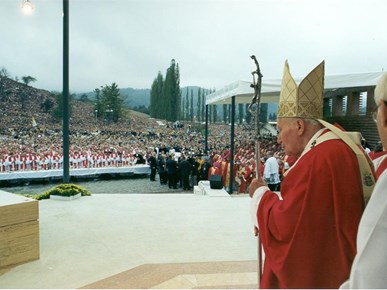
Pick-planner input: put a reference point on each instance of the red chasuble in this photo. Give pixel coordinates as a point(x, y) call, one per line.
point(309, 237)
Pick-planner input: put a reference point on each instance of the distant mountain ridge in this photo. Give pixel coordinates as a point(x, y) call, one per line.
point(135, 98)
point(141, 97)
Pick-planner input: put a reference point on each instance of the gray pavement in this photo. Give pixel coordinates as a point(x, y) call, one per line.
point(92, 238)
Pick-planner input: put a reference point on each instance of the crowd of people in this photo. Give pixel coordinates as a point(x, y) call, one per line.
point(116, 145)
point(31, 140)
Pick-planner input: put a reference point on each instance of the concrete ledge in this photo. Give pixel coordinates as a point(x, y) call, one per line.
point(66, 198)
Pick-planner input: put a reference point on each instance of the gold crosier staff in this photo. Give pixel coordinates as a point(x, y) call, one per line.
point(254, 110)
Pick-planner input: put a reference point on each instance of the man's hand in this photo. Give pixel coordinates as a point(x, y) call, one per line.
point(255, 183)
point(256, 231)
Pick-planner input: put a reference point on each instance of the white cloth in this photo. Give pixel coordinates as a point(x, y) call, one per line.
point(369, 267)
point(255, 200)
point(271, 171)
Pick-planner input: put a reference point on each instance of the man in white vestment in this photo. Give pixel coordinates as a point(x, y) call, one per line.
point(370, 264)
point(271, 173)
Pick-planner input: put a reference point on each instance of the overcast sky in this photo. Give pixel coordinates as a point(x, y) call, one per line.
point(129, 41)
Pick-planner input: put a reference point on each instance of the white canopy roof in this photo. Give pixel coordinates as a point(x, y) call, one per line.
point(243, 90)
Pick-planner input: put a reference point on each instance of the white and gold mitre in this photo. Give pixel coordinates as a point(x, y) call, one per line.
point(304, 101)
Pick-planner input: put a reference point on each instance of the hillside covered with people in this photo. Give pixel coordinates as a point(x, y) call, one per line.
point(31, 135)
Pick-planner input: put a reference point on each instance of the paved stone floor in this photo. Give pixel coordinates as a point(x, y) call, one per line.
point(142, 241)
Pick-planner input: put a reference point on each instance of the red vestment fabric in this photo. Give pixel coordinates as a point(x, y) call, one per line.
point(309, 237)
point(373, 155)
point(244, 179)
point(381, 168)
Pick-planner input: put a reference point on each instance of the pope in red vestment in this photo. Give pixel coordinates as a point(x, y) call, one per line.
point(308, 229)
point(308, 232)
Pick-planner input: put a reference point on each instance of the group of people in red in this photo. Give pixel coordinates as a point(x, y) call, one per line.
point(54, 160)
point(245, 163)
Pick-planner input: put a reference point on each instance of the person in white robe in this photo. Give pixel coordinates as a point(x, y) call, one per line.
point(369, 267)
point(271, 172)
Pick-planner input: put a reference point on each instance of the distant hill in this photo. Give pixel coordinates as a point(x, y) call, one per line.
point(132, 97)
point(141, 97)
point(136, 97)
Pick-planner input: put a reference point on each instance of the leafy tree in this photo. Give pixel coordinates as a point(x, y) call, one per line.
point(47, 105)
point(4, 73)
point(28, 79)
point(84, 98)
point(98, 105)
point(23, 99)
point(141, 109)
point(109, 102)
point(57, 113)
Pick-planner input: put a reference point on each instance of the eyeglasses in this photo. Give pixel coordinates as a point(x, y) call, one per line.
point(375, 113)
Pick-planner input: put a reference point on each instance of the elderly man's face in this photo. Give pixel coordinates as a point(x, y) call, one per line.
point(289, 136)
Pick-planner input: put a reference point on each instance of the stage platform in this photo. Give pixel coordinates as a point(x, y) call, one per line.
point(25, 176)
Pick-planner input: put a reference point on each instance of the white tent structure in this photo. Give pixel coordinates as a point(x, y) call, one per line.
point(243, 91)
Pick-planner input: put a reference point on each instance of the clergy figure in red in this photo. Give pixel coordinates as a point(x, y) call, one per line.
point(308, 229)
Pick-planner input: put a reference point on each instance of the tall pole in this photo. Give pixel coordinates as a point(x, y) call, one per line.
point(230, 186)
point(66, 163)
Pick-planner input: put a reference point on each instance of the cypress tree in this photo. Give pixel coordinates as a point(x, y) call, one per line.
point(203, 105)
point(199, 103)
point(240, 113)
point(191, 107)
point(225, 113)
point(182, 109)
point(186, 107)
point(215, 114)
point(248, 114)
point(263, 110)
point(157, 105)
point(171, 92)
point(210, 114)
